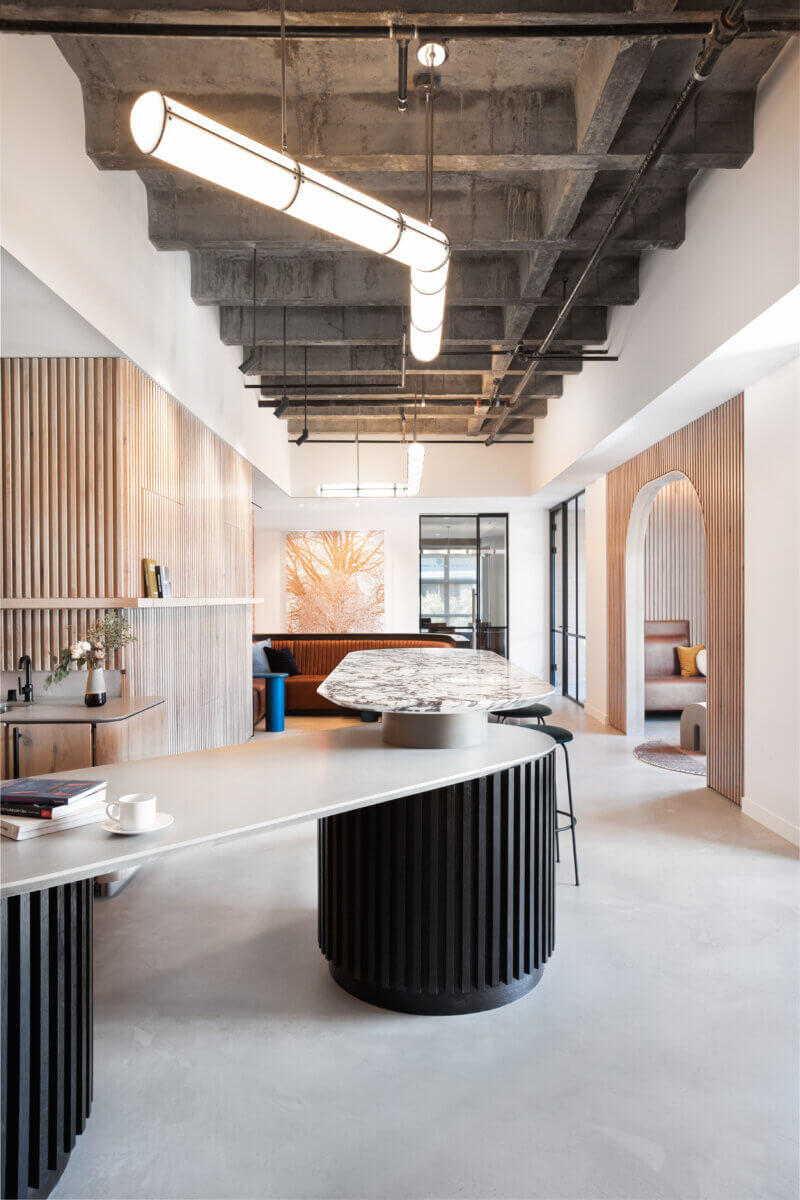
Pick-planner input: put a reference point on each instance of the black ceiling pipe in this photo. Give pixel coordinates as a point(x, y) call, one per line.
point(681, 25)
point(378, 404)
point(368, 441)
point(728, 25)
point(402, 74)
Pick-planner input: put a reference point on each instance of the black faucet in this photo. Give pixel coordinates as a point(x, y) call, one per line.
point(26, 688)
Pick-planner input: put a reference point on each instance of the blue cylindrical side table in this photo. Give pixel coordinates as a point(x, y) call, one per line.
point(274, 713)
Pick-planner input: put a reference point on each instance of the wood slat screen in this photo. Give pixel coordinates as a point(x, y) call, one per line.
point(103, 468)
point(710, 452)
point(675, 560)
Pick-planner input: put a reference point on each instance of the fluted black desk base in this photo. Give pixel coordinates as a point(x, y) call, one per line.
point(442, 902)
point(47, 1033)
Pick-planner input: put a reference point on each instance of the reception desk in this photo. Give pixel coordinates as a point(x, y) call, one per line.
point(436, 889)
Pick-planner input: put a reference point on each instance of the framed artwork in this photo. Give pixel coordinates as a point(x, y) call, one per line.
point(334, 581)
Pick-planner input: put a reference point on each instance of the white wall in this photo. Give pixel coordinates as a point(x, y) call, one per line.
point(596, 703)
point(528, 560)
point(36, 323)
point(772, 602)
point(740, 258)
point(83, 233)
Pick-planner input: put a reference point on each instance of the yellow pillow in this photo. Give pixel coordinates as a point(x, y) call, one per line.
point(687, 657)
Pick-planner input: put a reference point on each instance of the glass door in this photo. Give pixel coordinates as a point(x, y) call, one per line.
point(568, 597)
point(463, 578)
point(492, 614)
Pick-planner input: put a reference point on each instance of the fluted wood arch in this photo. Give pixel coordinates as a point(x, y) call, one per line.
point(710, 452)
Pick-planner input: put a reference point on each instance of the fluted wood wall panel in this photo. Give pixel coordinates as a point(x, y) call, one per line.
point(710, 452)
point(675, 559)
point(62, 437)
point(103, 468)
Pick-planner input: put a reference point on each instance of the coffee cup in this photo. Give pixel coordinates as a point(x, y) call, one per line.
point(134, 813)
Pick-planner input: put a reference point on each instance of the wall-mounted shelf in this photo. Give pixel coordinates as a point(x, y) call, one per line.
point(41, 602)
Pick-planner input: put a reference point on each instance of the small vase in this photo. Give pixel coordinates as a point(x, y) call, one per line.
point(96, 687)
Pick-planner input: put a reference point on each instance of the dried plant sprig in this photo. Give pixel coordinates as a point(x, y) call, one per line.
point(112, 632)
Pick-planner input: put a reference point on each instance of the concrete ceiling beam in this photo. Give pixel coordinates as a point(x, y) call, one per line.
point(464, 327)
point(342, 325)
point(226, 278)
point(359, 133)
point(321, 121)
point(477, 217)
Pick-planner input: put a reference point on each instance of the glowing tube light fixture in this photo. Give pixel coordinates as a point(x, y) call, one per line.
point(187, 139)
point(373, 491)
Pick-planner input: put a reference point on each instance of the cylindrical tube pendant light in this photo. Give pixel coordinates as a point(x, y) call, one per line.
point(178, 135)
point(187, 139)
point(428, 291)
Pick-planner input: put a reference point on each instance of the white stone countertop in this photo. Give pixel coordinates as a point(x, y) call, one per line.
point(261, 785)
point(431, 681)
point(72, 712)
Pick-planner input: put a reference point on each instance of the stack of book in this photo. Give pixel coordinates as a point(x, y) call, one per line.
point(30, 807)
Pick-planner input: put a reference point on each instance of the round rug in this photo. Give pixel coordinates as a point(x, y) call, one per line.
point(671, 757)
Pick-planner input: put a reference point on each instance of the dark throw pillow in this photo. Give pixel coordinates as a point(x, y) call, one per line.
point(260, 664)
point(281, 660)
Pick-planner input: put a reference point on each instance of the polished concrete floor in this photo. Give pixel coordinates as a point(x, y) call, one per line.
point(658, 1057)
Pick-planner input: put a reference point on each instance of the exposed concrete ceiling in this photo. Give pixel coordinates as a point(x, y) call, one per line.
point(536, 140)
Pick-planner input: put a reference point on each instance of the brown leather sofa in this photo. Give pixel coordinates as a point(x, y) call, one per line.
point(316, 654)
point(665, 689)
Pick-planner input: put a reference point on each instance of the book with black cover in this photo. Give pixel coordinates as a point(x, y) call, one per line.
point(166, 584)
point(46, 810)
point(50, 792)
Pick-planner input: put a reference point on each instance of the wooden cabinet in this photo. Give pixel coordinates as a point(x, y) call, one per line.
point(140, 736)
point(43, 748)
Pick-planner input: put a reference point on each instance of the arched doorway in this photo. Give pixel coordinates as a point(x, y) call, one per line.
point(709, 452)
point(676, 559)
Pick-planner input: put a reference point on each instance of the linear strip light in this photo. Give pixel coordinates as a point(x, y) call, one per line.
point(343, 491)
point(187, 139)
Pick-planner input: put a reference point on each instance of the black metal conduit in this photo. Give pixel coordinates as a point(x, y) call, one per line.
point(378, 403)
point(728, 26)
point(361, 441)
point(402, 74)
point(682, 25)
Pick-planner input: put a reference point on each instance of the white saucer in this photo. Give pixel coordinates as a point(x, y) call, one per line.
point(163, 821)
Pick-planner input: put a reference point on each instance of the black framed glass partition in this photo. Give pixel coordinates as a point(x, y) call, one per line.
point(463, 578)
point(568, 597)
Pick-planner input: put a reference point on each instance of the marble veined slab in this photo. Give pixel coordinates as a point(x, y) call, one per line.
point(431, 681)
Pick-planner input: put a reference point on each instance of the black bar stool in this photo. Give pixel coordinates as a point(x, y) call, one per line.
point(539, 711)
point(562, 736)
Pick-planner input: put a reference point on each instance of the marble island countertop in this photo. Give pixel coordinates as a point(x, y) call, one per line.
point(431, 681)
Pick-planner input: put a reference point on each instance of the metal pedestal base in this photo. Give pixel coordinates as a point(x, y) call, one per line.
point(436, 731)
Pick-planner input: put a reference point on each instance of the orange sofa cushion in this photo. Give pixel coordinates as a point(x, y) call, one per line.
point(687, 657)
point(317, 657)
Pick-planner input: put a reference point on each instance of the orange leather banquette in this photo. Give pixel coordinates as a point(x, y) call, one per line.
point(317, 655)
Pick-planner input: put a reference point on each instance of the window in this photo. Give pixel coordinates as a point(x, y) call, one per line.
point(568, 597)
point(463, 577)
